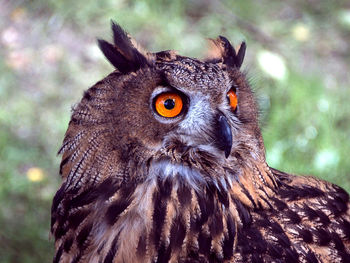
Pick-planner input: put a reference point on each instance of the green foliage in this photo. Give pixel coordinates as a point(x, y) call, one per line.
point(297, 58)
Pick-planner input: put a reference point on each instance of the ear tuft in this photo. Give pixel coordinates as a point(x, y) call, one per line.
point(241, 54)
point(222, 51)
point(113, 56)
point(122, 55)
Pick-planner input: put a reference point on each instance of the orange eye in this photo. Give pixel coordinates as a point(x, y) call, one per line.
point(168, 104)
point(232, 97)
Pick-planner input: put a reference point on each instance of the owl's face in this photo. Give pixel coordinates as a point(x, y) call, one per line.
point(186, 104)
point(200, 104)
point(165, 106)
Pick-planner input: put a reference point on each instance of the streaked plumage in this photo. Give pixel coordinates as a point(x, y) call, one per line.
point(139, 187)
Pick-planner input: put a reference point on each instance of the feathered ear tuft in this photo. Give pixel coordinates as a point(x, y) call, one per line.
point(241, 54)
point(221, 50)
point(123, 55)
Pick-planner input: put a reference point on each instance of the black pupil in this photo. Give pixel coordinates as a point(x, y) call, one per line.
point(169, 104)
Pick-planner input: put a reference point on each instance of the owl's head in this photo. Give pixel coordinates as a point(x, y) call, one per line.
point(167, 107)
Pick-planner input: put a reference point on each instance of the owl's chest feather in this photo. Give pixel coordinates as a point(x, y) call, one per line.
point(170, 216)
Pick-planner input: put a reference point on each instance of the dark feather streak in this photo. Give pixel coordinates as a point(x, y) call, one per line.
point(112, 251)
point(83, 235)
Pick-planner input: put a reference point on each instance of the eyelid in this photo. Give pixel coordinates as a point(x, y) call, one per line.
point(234, 88)
point(162, 89)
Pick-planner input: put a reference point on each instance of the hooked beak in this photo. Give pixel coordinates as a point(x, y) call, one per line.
point(224, 135)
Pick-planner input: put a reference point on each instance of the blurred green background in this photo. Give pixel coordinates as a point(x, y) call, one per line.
point(297, 61)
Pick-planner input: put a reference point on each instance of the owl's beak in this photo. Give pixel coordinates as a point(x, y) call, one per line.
point(224, 135)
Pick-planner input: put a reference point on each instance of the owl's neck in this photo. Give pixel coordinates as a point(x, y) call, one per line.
point(245, 174)
point(250, 183)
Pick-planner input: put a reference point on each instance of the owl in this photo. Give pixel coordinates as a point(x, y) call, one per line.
point(163, 161)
